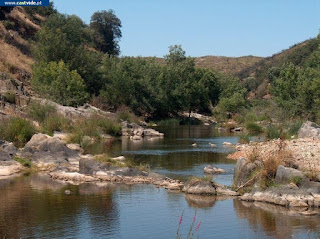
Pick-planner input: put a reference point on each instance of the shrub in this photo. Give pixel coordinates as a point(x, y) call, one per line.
point(253, 128)
point(108, 126)
point(17, 130)
point(297, 180)
point(40, 112)
point(56, 122)
point(24, 162)
point(56, 82)
point(93, 127)
point(10, 97)
point(254, 155)
point(276, 132)
point(9, 25)
point(294, 127)
point(273, 132)
point(271, 164)
point(123, 113)
point(169, 122)
point(244, 138)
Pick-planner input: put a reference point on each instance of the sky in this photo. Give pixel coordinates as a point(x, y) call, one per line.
point(206, 27)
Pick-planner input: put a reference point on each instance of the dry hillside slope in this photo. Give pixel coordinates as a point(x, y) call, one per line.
point(16, 28)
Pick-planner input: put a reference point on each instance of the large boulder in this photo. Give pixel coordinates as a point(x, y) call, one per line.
point(35, 141)
point(91, 167)
point(43, 150)
point(243, 170)
point(4, 156)
point(200, 187)
point(285, 175)
point(8, 148)
point(309, 129)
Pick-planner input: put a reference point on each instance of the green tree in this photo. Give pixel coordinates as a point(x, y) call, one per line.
point(66, 38)
point(59, 39)
point(106, 31)
point(56, 82)
point(176, 54)
point(233, 96)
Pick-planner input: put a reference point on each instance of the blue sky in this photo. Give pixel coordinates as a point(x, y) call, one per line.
point(206, 27)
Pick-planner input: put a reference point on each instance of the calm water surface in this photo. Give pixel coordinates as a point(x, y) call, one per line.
point(36, 207)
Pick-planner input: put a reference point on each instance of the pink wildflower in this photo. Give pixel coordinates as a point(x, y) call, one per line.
point(181, 218)
point(198, 226)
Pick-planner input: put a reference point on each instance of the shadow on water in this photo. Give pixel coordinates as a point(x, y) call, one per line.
point(38, 207)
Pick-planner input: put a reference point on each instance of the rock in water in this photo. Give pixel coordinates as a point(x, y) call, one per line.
point(213, 170)
point(201, 188)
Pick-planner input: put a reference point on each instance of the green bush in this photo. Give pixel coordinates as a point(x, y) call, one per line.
point(253, 128)
point(293, 127)
point(40, 112)
point(17, 130)
point(123, 113)
point(169, 122)
point(244, 138)
point(56, 82)
point(10, 97)
point(93, 127)
point(108, 126)
point(24, 162)
point(56, 123)
point(9, 25)
point(273, 132)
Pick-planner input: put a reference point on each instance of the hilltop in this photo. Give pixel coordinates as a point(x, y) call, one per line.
point(223, 64)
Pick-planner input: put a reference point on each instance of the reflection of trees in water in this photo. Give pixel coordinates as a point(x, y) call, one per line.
point(181, 161)
point(193, 131)
point(29, 212)
point(275, 221)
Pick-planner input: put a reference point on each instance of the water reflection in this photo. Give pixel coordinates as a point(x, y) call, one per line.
point(38, 207)
point(278, 222)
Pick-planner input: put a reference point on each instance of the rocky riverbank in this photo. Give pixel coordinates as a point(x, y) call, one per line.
point(281, 172)
point(67, 163)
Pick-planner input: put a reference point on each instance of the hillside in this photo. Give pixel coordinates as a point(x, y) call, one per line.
point(226, 65)
point(297, 54)
point(17, 27)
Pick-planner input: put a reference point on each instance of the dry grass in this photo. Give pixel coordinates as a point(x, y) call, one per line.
point(12, 56)
point(228, 65)
point(19, 14)
point(194, 179)
point(312, 173)
point(254, 155)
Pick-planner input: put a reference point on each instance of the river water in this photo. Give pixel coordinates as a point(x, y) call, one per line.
point(34, 206)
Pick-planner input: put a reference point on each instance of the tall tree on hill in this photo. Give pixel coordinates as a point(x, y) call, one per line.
point(107, 33)
point(65, 38)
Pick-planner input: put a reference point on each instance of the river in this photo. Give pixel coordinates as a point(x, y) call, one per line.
point(34, 206)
